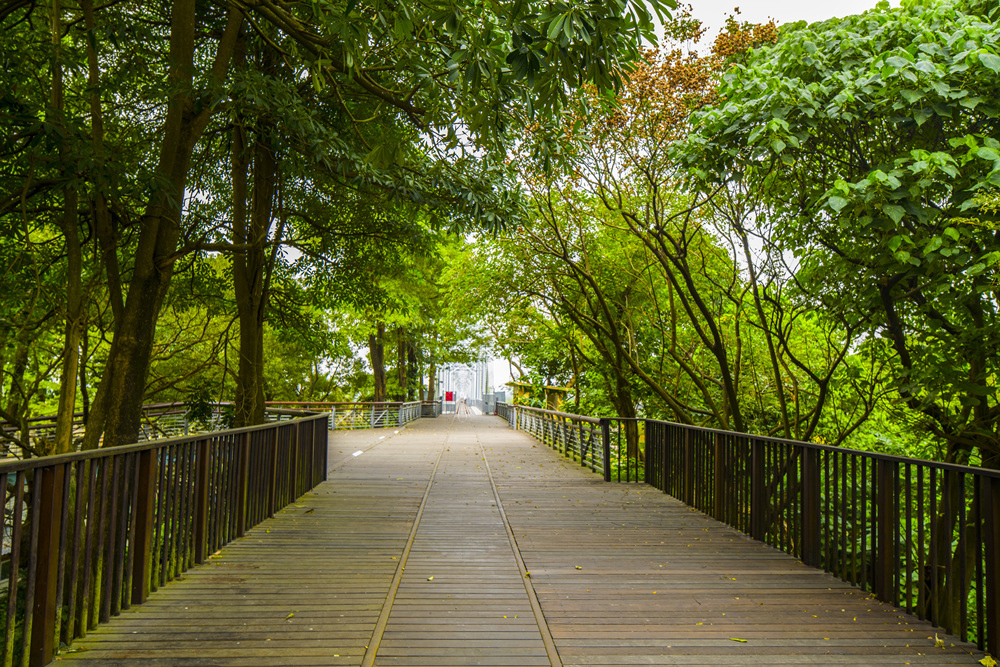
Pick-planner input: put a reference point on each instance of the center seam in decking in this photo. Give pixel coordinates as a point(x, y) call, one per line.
point(371, 650)
point(536, 607)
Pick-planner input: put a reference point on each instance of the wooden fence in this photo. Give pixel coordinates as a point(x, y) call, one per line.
point(88, 534)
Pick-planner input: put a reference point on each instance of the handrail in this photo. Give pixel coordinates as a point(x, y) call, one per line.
point(159, 420)
point(361, 414)
point(575, 436)
point(90, 533)
point(920, 535)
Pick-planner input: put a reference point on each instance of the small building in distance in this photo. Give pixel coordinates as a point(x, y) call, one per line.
point(551, 398)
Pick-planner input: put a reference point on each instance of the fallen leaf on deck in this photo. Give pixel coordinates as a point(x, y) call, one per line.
point(736, 639)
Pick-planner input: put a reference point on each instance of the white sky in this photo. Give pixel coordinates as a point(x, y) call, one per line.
point(713, 12)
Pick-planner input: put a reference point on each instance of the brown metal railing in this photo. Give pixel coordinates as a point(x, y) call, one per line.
point(88, 534)
point(921, 535)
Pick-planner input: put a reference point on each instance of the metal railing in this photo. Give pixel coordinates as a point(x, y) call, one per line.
point(585, 439)
point(357, 415)
point(88, 534)
point(921, 535)
point(159, 420)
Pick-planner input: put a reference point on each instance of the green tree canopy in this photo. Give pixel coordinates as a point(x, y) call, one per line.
point(873, 141)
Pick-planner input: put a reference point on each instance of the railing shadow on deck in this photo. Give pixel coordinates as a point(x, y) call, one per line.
point(921, 535)
point(88, 534)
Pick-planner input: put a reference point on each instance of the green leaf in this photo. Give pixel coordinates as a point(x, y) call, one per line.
point(894, 211)
point(988, 154)
point(990, 61)
point(836, 203)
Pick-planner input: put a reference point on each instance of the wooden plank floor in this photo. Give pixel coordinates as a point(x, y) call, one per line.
point(460, 542)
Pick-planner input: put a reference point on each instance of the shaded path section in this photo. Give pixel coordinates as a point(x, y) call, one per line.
point(405, 557)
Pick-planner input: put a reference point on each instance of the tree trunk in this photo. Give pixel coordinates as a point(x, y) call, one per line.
point(411, 372)
point(251, 267)
point(431, 370)
point(118, 406)
point(376, 348)
point(625, 408)
point(402, 377)
point(74, 329)
point(74, 267)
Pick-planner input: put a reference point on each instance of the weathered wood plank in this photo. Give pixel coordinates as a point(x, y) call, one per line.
point(623, 574)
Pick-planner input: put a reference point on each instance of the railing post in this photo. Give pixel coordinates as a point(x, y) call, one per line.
point(688, 468)
point(201, 502)
point(513, 411)
point(606, 447)
point(242, 485)
point(333, 418)
point(372, 419)
point(810, 507)
point(272, 478)
point(885, 502)
point(49, 482)
point(399, 415)
point(293, 464)
point(758, 501)
point(991, 551)
point(142, 560)
point(718, 479)
point(322, 442)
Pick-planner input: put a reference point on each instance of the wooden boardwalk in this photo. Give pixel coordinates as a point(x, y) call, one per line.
point(461, 542)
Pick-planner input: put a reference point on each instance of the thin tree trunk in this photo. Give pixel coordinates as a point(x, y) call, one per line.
point(401, 370)
point(431, 370)
point(411, 371)
point(376, 348)
point(74, 266)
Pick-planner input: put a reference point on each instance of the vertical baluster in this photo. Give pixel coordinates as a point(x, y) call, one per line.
point(74, 553)
point(15, 563)
point(109, 542)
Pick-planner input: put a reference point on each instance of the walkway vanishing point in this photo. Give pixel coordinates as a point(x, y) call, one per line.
point(462, 542)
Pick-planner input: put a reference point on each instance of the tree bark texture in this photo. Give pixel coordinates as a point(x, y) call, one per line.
point(376, 348)
point(251, 265)
point(118, 407)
